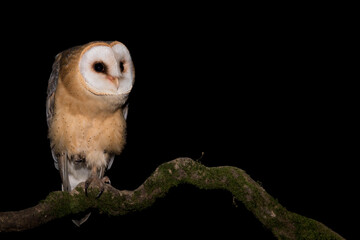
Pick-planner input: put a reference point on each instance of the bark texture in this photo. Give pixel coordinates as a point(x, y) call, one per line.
point(281, 222)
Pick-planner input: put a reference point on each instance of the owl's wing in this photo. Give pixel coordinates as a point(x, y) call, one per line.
point(61, 160)
point(52, 84)
point(62, 163)
point(50, 101)
point(111, 160)
point(125, 109)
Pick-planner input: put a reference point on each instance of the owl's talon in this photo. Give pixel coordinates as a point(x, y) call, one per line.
point(101, 191)
point(95, 181)
point(106, 180)
point(87, 184)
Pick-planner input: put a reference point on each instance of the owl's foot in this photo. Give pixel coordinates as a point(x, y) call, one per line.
point(98, 183)
point(106, 180)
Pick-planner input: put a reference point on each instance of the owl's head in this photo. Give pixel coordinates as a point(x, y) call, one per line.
point(100, 74)
point(106, 68)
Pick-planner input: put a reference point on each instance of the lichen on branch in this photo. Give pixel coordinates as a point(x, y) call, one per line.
point(281, 222)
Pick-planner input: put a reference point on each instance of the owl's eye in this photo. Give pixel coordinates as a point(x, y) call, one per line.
point(99, 67)
point(122, 66)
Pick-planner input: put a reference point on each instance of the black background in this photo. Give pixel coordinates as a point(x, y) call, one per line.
point(254, 88)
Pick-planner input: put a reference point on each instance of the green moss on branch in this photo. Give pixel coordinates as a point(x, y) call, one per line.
point(283, 223)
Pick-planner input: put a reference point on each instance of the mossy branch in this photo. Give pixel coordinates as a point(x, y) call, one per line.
point(283, 223)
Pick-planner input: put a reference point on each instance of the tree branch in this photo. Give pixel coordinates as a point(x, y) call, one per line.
point(283, 223)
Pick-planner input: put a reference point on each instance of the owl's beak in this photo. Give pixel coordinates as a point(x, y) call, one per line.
point(114, 80)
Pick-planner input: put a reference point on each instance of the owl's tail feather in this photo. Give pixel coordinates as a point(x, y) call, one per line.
point(66, 186)
point(80, 221)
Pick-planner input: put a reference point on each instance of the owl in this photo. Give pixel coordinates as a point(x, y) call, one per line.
point(86, 111)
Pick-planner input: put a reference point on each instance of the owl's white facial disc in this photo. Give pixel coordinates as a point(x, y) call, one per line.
point(105, 69)
point(123, 58)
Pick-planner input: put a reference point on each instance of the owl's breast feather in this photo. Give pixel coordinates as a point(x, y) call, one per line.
point(90, 136)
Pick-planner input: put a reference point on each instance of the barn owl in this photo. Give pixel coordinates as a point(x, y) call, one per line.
point(86, 111)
